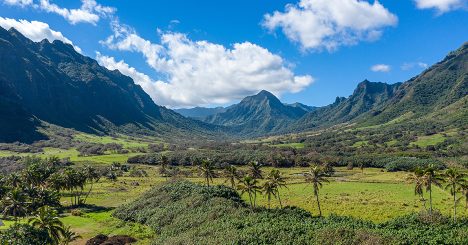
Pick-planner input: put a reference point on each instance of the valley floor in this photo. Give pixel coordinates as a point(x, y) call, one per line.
point(373, 195)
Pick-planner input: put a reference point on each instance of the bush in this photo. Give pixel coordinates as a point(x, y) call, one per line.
point(21, 234)
point(186, 213)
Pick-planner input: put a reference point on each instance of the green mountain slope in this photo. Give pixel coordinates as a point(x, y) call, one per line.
point(54, 83)
point(258, 114)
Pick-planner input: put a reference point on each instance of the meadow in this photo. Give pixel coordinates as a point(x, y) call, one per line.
point(371, 194)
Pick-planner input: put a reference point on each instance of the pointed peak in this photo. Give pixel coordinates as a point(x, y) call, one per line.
point(265, 94)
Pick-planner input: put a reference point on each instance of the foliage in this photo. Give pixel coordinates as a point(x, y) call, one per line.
point(182, 212)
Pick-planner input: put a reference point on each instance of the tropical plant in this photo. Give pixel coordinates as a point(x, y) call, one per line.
point(14, 204)
point(231, 174)
point(47, 219)
point(316, 176)
point(207, 171)
point(92, 176)
point(455, 180)
point(277, 181)
point(418, 179)
point(68, 236)
point(431, 177)
point(255, 170)
point(250, 185)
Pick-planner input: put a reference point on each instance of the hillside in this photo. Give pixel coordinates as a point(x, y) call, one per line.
point(444, 85)
point(258, 114)
point(199, 113)
point(54, 83)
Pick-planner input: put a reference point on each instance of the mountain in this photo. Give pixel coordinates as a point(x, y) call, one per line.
point(302, 106)
point(442, 87)
point(51, 82)
point(367, 97)
point(200, 113)
point(262, 113)
point(438, 87)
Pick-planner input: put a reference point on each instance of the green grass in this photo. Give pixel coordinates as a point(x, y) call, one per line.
point(125, 141)
point(424, 141)
point(73, 154)
point(293, 145)
point(89, 225)
point(360, 143)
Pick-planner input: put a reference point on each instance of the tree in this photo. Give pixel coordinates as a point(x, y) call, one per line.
point(163, 168)
point(250, 185)
point(68, 236)
point(207, 171)
point(278, 181)
point(255, 170)
point(418, 178)
point(431, 178)
point(455, 180)
point(47, 219)
point(14, 204)
point(231, 174)
point(92, 176)
point(316, 176)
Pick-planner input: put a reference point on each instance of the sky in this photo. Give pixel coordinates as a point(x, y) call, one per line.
point(211, 52)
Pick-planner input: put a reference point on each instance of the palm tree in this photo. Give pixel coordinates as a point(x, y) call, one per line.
point(92, 176)
point(316, 176)
point(254, 170)
point(68, 236)
point(278, 181)
point(269, 189)
point(47, 219)
point(455, 181)
point(431, 178)
point(207, 171)
point(231, 174)
point(14, 204)
point(250, 185)
point(418, 178)
point(164, 162)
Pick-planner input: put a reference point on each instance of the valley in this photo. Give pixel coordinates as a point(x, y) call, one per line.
point(86, 153)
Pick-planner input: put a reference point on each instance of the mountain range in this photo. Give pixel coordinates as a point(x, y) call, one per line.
point(49, 82)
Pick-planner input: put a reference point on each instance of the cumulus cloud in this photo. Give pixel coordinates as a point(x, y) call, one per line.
point(380, 68)
point(441, 6)
point(411, 65)
point(328, 24)
point(22, 3)
point(204, 73)
point(149, 85)
point(89, 12)
point(35, 30)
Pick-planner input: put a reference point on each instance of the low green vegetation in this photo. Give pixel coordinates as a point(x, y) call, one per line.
point(182, 213)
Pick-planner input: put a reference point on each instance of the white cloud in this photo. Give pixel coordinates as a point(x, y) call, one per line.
point(148, 84)
point(328, 24)
point(35, 30)
point(411, 65)
point(89, 12)
point(380, 68)
point(442, 6)
point(204, 73)
point(22, 3)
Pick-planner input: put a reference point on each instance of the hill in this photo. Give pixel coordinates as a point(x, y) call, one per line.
point(200, 113)
point(262, 113)
point(52, 82)
point(442, 87)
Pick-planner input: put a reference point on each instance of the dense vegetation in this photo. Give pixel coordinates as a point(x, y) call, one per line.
point(186, 213)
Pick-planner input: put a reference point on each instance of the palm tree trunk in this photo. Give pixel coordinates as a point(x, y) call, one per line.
point(454, 205)
point(279, 199)
point(89, 191)
point(430, 198)
point(269, 200)
point(250, 199)
point(318, 204)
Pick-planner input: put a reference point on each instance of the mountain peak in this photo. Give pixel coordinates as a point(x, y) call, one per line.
point(265, 93)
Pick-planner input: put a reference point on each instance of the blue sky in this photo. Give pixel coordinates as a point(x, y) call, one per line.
point(188, 53)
